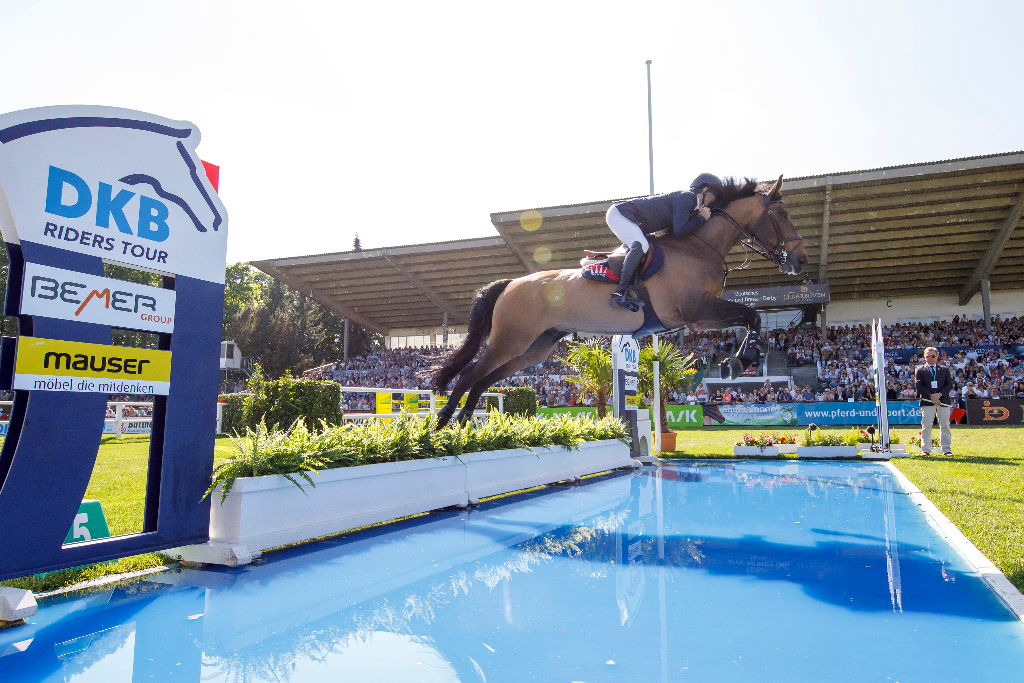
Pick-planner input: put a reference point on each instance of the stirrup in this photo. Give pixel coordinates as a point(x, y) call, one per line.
point(624, 300)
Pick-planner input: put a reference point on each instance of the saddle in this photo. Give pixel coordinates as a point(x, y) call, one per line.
point(606, 266)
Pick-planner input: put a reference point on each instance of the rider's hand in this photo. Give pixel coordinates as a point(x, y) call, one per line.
point(705, 212)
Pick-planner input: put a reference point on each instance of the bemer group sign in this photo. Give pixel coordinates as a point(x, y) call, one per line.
point(81, 186)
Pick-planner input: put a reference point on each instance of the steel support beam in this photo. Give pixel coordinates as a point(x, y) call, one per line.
point(825, 218)
point(995, 249)
point(986, 303)
point(428, 291)
point(306, 288)
point(526, 263)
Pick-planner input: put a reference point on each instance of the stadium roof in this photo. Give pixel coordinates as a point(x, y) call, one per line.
point(926, 228)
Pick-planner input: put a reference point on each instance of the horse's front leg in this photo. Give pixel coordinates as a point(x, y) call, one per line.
point(715, 314)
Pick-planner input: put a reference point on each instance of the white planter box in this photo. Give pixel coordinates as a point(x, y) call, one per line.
point(497, 472)
point(787, 448)
point(264, 512)
point(826, 451)
point(754, 450)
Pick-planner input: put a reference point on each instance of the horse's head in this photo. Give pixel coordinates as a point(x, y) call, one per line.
point(766, 227)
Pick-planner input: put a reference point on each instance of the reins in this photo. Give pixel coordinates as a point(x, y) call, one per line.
point(776, 254)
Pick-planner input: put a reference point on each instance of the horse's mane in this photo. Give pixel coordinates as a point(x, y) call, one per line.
point(732, 190)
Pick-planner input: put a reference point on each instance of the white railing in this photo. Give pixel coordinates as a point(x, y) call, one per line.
point(118, 420)
point(359, 417)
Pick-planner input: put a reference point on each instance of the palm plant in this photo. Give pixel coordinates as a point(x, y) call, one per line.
point(676, 371)
point(592, 362)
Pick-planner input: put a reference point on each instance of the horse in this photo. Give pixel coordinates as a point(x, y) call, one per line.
point(526, 317)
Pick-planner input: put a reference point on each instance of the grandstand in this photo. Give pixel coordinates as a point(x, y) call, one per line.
point(904, 243)
point(913, 245)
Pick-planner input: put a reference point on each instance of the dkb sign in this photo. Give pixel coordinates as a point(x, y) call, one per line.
point(79, 186)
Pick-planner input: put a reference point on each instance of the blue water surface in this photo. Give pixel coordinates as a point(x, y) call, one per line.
point(745, 571)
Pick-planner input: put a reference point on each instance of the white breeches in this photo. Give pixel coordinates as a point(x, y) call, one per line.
point(625, 229)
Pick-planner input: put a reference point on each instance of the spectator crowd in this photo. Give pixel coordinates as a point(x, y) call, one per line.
point(841, 359)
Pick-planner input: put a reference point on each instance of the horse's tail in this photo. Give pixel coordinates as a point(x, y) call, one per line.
point(479, 329)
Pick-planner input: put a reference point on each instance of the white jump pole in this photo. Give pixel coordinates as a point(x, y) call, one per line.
point(878, 358)
point(657, 396)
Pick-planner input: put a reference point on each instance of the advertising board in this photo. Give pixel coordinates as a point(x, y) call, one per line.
point(67, 295)
point(56, 365)
point(773, 297)
point(995, 411)
point(82, 187)
point(149, 204)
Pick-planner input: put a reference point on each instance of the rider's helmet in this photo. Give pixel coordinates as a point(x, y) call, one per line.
point(708, 179)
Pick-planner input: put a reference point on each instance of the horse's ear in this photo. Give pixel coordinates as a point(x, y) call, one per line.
point(776, 192)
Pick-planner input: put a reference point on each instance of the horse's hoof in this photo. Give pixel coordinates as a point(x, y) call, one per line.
point(724, 370)
point(444, 416)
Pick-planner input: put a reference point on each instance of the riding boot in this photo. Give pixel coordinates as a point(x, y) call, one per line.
point(630, 265)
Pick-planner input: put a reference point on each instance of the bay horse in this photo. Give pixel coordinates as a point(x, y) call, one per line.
point(526, 317)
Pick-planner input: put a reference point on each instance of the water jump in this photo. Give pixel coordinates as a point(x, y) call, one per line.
point(680, 285)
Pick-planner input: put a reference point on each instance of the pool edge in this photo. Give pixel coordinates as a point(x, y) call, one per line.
point(995, 579)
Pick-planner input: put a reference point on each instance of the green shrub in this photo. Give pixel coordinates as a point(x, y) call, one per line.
point(299, 450)
point(231, 414)
point(518, 401)
point(819, 437)
point(281, 402)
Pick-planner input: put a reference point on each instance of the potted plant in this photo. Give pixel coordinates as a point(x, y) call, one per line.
point(762, 444)
point(592, 362)
point(675, 371)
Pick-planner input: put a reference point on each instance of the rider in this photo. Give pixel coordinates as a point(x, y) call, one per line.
point(680, 212)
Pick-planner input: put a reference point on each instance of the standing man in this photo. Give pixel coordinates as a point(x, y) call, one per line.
point(933, 386)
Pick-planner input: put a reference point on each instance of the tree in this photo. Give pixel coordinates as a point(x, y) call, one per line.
point(243, 286)
point(675, 371)
point(356, 244)
point(592, 362)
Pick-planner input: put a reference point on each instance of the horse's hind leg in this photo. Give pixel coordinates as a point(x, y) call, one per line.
point(494, 357)
point(538, 351)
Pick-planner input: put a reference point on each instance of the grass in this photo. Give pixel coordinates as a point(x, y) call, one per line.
point(980, 489)
point(119, 482)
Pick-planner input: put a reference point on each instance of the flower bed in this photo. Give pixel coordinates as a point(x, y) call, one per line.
point(413, 473)
point(765, 444)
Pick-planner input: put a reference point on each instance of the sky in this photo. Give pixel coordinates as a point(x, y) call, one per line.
point(412, 122)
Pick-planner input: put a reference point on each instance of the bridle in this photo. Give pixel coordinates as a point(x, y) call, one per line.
point(777, 254)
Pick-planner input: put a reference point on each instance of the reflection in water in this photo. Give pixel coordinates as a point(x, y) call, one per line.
point(892, 559)
point(516, 589)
